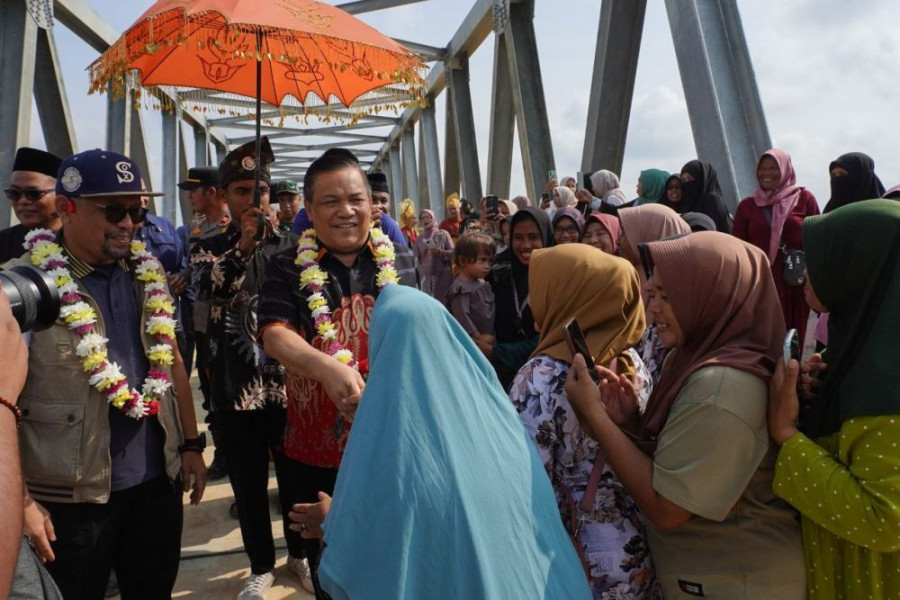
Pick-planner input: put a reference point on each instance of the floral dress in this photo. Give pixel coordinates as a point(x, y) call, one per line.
point(613, 540)
point(652, 352)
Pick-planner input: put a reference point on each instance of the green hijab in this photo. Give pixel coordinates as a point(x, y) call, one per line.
point(852, 263)
point(653, 182)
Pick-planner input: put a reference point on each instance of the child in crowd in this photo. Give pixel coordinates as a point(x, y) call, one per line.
point(470, 298)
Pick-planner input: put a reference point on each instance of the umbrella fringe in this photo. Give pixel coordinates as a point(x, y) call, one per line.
point(233, 105)
point(225, 44)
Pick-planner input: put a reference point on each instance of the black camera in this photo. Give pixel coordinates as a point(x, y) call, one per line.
point(33, 296)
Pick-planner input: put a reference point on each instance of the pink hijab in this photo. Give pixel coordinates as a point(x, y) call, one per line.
point(782, 199)
point(610, 223)
point(651, 222)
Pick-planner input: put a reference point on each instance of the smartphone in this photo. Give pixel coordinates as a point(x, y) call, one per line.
point(492, 205)
point(551, 174)
point(578, 345)
point(586, 182)
point(791, 348)
point(545, 199)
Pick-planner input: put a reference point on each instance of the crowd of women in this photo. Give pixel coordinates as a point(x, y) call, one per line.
point(702, 461)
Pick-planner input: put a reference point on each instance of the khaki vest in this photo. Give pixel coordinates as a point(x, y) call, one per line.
point(64, 439)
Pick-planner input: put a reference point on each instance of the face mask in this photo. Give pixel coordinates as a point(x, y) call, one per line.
point(843, 189)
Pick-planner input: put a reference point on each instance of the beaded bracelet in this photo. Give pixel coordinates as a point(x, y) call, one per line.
point(15, 410)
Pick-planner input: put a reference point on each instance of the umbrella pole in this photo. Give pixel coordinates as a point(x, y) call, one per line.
point(257, 194)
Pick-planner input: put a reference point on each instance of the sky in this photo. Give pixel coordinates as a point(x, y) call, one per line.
point(827, 72)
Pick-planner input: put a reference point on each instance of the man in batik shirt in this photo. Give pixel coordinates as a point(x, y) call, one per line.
point(323, 391)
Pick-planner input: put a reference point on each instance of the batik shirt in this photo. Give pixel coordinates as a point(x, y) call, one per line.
point(316, 432)
point(245, 378)
point(198, 266)
point(613, 538)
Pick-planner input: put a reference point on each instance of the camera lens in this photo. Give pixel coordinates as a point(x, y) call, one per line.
point(33, 296)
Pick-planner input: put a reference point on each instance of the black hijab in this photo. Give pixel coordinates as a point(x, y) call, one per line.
point(509, 279)
point(860, 183)
point(703, 195)
point(664, 198)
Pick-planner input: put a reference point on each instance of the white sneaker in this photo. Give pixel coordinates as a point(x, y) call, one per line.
point(257, 586)
point(300, 568)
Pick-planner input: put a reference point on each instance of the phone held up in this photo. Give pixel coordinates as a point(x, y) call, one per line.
point(791, 348)
point(578, 345)
point(492, 206)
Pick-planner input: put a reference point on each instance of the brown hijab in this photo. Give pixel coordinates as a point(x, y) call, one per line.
point(723, 296)
point(651, 222)
point(601, 291)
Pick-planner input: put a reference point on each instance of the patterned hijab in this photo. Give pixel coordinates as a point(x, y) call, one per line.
point(852, 261)
point(602, 292)
point(724, 299)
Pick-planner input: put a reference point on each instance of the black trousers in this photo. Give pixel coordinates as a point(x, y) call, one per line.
point(185, 341)
point(306, 481)
point(138, 532)
point(248, 437)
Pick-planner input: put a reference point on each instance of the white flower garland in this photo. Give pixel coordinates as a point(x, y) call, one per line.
point(314, 278)
point(105, 376)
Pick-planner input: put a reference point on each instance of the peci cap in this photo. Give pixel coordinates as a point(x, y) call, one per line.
point(200, 176)
point(37, 161)
point(99, 174)
point(240, 163)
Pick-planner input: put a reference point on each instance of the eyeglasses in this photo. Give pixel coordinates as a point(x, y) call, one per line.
point(566, 231)
point(15, 195)
point(116, 212)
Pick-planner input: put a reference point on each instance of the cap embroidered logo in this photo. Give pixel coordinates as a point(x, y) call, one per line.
point(71, 179)
point(248, 163)
point(124, 172)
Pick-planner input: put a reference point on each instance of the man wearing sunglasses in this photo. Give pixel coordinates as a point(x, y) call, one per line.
point(31, 194)
point(112, 483)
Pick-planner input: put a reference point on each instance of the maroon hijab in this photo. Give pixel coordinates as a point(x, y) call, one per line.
point(723, 296)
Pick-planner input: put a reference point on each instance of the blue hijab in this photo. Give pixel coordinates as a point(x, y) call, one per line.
point(441, 493)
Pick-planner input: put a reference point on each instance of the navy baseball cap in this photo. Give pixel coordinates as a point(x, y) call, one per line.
point(100, 174)
point(200, 176)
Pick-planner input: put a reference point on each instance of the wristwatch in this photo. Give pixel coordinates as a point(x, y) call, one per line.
point(197, 444)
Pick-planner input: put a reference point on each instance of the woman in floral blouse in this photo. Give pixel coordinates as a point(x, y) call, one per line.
point(603, 293)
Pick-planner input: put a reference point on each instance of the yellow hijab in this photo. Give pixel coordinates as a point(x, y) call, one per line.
point(600, 290)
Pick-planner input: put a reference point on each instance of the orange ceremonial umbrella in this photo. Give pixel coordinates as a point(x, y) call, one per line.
point(294, 52)
point(301, 47)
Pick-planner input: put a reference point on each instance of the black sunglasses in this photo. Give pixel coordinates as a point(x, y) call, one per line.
point(15, 195)
point(116, 212)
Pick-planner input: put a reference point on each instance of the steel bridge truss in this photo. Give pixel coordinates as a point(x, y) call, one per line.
point(724, 107)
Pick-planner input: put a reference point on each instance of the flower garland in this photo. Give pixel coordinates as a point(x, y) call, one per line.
point(313, 277)
point(105, 376)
